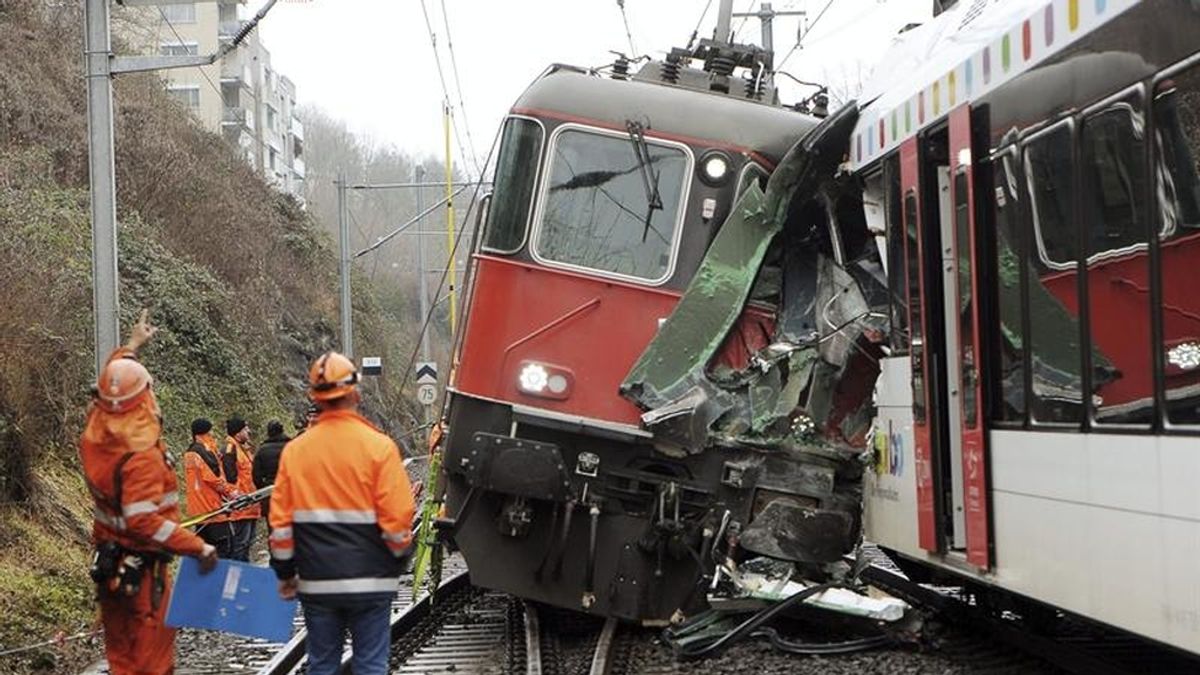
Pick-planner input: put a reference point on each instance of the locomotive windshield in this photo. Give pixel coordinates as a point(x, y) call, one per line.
point(516, 176)
point(596, 213)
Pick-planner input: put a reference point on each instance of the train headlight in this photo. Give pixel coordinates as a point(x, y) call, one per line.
point(1185, 355)
point(533, 378)
point(714, 167)
point(544, 380)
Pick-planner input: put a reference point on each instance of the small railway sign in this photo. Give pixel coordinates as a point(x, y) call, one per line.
point(372, 365)
point(426, 394)
point(427, 372)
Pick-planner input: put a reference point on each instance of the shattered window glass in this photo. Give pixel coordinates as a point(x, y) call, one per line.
point(1048, 169)
point(516, 175)
point(753, 173)
point(1008, 401)
point(1177, 174)
point(600, 211)
point(1114, 188)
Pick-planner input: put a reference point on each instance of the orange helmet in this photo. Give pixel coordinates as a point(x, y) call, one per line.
point(121, 384)
point(331, 376)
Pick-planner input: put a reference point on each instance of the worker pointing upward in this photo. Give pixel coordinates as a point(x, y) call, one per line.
point(136, 526)
point(341, 521)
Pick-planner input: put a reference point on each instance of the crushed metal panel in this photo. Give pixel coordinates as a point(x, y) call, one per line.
point(675, 359)
point(713, 302)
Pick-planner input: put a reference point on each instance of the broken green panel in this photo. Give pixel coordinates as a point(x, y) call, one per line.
point(676, 358)
point(709, 308)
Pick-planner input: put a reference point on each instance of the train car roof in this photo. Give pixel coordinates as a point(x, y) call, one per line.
point(967, 51)
point(719, 121)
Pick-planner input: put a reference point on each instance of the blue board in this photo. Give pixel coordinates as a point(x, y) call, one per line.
point(236, 597)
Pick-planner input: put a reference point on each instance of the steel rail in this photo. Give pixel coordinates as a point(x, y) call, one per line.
point(533, 641)
point(601, 659)
point(289, 658)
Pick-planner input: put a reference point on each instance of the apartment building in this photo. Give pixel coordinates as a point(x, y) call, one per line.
point(241, 96)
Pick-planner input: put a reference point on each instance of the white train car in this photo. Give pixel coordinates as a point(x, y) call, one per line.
point(1030, 171)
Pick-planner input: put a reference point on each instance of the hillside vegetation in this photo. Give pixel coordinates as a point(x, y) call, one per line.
point(241, 281)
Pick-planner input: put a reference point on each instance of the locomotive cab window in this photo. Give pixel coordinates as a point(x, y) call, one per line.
point(606, 208)
point(516, 177)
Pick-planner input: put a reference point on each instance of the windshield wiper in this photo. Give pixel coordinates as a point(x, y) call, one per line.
point(646, 165)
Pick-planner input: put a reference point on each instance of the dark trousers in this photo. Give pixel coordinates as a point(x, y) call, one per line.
point(370, 639)
point(220, 535)
point(243, 537)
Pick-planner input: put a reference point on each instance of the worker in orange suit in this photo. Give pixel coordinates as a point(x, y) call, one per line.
point(136, 527)
point(238, 463)
point(341, 524)
point(207, 489)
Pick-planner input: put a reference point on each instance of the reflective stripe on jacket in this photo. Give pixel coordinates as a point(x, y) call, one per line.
point(204, 480)
point(127, 446)
point(342, 510)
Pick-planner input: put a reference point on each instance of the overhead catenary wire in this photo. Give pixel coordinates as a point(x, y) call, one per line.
point(696, 30)
point(437, 59)
point(804, 35)
point(633, 52)
point(462, 106)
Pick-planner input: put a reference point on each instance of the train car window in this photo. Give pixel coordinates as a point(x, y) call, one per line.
point(1114, 197)
point(916, 307)
point(965, 318)
point(1008, 399)
point(1177, 177)
point(897, 274)
point(1054, 336)
point(598, 214)
point(516, 177)
point(1048, 169)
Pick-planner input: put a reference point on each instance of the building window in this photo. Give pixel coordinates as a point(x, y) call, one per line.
point(1177, 177)
point(180, 13)
point(179, 49)
point(1054, 340)
point(916, 310)
point(272, 119)
point(1116, 234)
point(188, 95)
point(516, 177)
point(599, 211)
point(274, 159)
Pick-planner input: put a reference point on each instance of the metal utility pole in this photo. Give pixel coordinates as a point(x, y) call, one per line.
point(418, 177)
point(101, 66)
point(766, 16)
point(344, 267)
point(724, 16)
point(105, 300)
point(450, 220)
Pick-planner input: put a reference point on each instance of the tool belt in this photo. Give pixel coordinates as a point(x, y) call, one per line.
point(119, 571)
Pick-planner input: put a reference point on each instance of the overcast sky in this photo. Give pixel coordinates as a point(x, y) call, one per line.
point(370, 62)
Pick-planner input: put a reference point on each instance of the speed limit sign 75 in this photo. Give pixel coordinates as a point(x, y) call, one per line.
point(427, 394)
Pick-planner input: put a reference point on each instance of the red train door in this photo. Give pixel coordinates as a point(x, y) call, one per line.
point(915, 263)
point(963, 317)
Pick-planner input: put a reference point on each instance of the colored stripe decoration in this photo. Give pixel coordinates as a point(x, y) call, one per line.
point(1043, 28)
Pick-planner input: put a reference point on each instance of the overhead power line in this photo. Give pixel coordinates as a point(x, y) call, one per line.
point(696, 30)
point(628, 35)
point(804, 35)
point(462, 106)
point(437, 58)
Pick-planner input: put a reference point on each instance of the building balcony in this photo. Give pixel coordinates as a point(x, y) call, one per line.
point(238, 117)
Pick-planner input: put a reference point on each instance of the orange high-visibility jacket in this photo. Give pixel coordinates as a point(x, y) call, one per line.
point(206, 486)
point(127, 447)
point(245, 478)
point(342, 510)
